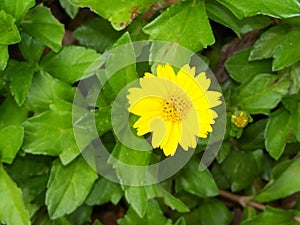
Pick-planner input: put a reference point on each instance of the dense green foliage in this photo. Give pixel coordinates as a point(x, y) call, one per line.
point(44, 179)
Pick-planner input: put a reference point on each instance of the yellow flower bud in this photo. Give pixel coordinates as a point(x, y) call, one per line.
point(240, 119)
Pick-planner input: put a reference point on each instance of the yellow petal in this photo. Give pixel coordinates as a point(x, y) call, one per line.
point(188, 139)
point(190, 127)
point(201, 103)
point(149, 75)
point(142, 126)
point(214, 98)
point(153, 86)
point(143, 123)
point(204, 129)
point(159, 129)
point(150, 87)
point(203, 81)
point(170, 146)
point(146, 105)
point(186, 79)
point(168, 131)
point(145, 118)
point(166, 71)
point(191, 87)
point(187, 70)
point(135, 94)
point(214, 114)
point(205, 116)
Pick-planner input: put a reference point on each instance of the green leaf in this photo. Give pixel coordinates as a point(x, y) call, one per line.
point(11, 113)
point(279, 9)
point(56, 125)
point(175, 204)
point(169, 53)
point(46, 90)
point(261, 94)
point(268, 42)
point(11, 202)
point(9, 33)
point(82, 215)
point(85, 131)
point(295, 70)
point(11, 139)
point(104, 191)
point(192, 217)
point(292, 20)
point(288, 51)
point(68, 186)
point(213, 212)
point(280, 127)
point(180, 221)
point(71, 10)
point(291, 102)
point(279, 168)
point(103, 120)
point(185, 23)
point(71, 64)
point(253, 136)
point(19, 76)
point(224, 151)
point(200, 183)
point(41, 25)
point(240, 168)
point(272, 216)
point(219, 176)
point(31, 174)
point(17, 8)
point(223, 15)
point(136, 29)
point(241, 70)
point(136, 196)
point(261, 160)
point(34, 188)
point(124, 157)
point(31, 48)
point(119, 13)
point(45, 220)
point(96, 33)
point(3, 56)
point(28, 166)
point(248, 213)
point(122, 51)
point(156, 190)
point(280, 42)
point(153, 216)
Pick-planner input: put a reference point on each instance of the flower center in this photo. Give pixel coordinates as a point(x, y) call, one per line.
point(240, 120)
point(175, 108)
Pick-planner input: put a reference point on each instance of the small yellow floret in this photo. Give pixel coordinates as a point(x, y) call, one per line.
point(240, 120)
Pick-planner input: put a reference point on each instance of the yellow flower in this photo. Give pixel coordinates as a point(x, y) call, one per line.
point(175, 108)
point(240, 119)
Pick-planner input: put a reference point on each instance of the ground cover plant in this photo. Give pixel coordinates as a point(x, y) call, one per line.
point(71, 72)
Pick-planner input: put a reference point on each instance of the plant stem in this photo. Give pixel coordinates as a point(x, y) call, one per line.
point(245, 201)
point(242, 200)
